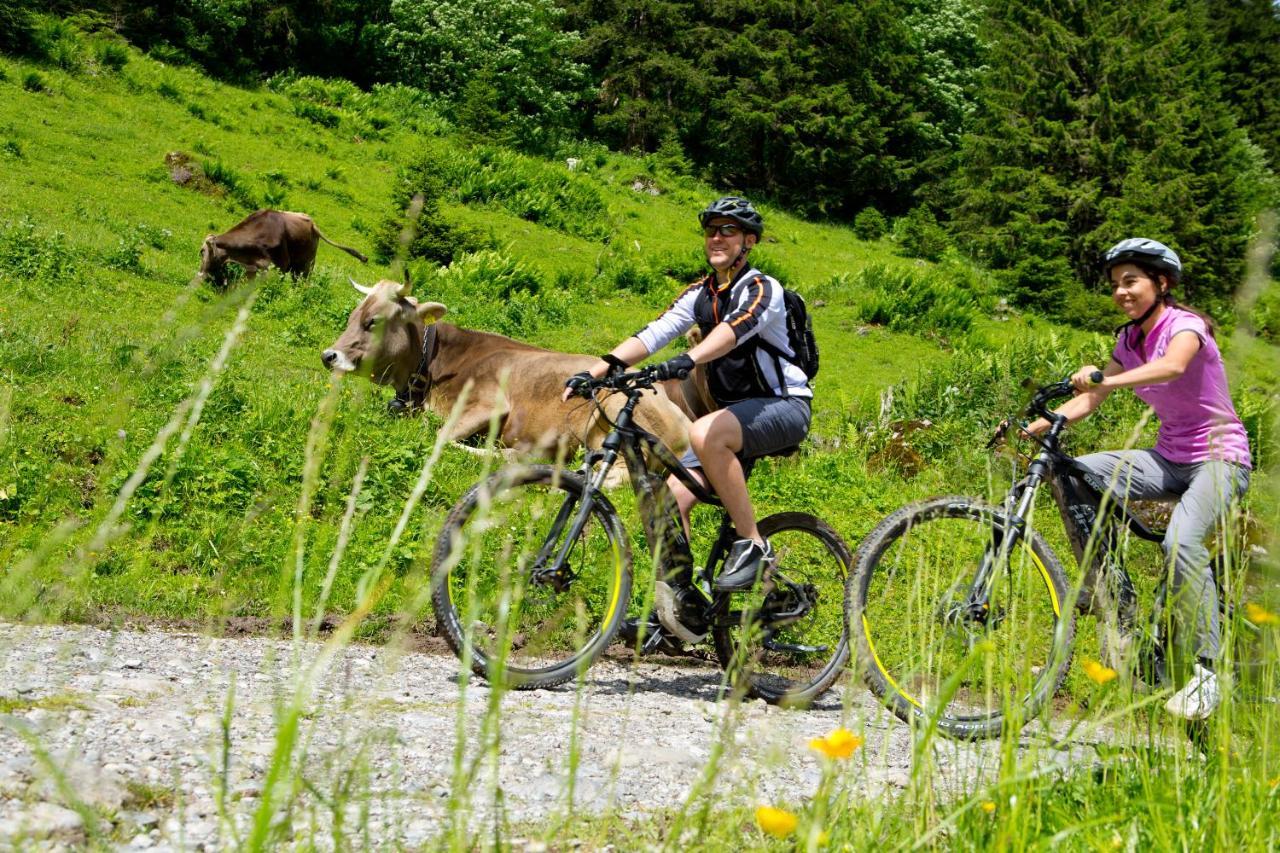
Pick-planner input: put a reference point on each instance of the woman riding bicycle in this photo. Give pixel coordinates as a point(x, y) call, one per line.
point(764, 397)
point(1167, 354)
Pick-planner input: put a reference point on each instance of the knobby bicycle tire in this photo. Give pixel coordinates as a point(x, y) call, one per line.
point(807, 656)
point(516, 626)
point(924, 661)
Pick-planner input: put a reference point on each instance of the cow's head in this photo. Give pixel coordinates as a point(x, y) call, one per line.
point(383, 338)
point(213, 261)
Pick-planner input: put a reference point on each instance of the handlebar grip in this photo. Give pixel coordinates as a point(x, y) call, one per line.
point(1096, 377)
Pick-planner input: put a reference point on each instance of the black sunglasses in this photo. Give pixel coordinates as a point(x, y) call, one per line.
point(728, 229)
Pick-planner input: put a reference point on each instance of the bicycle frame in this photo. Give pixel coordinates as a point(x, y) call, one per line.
point(663, 529)
point(1091, 518)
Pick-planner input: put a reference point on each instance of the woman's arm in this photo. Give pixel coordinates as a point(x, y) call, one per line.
point(1183, 347)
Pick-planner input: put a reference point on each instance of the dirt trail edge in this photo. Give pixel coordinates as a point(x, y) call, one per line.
point(124, 739)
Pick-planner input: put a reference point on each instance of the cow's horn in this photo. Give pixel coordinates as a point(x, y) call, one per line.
point(360, 287)
point(408, 284)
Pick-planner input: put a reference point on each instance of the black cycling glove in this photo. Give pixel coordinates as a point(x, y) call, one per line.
point(674, 368)
point(579, 382)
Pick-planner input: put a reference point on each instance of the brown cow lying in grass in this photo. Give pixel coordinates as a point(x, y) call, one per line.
point(265, 237)
point(519, 382)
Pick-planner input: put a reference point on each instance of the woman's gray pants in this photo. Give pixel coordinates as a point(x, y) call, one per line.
point(1205, 492)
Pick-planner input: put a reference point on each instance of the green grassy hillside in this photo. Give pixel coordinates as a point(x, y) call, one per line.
point(172, 452)
point(104, 335)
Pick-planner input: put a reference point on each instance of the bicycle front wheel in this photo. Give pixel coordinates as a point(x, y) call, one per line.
point(503, 599)
point(787, 643)
point(924, 651)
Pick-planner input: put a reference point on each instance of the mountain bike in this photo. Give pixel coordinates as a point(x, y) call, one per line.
point(532, 573)
point(963, 614)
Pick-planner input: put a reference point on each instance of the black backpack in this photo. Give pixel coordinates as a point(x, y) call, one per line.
point(799, 335)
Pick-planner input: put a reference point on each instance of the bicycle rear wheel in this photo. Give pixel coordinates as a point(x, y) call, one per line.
point(923, 654)
point(788, 645)
point(499, 598)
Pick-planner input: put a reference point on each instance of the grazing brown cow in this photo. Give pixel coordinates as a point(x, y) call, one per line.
point(384, 341)
point(266, 237)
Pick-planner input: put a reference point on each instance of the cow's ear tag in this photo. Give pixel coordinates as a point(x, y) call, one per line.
point(430, 311)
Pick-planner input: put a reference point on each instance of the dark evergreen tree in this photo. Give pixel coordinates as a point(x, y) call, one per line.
point(15, 26)
point(643, 56)
point(1101, 121)
point(818, 107)
point(250, 38)
point(1247, 35)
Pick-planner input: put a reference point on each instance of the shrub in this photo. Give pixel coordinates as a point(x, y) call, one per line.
point(904, 300)
point(33, 256)
point(685, 267)
point(433, 238)
point(489, 290)
point(920, 236)
point(167, 90)
point(230, 181)
point(870, 224)
point(156, 238)
point(532, 189)
point(12, 148)
point(329, 92)
point(625, 268)
point(411, 106)
point(317, 114)
point(32, 81)
point(1265, 315)
point(110, 55)
point(126, 257)
point(59, 42)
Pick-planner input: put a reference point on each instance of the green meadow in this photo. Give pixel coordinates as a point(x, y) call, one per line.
point(172, 453)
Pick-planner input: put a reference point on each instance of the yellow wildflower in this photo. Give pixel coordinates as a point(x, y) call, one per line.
point(1097, 672)
point(777, 822)
point(839, 743)
point(988, 807)
point(1274, 782)
point(1259, 615)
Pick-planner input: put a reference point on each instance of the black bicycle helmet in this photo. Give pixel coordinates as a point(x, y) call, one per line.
point(736, 208)
point(1149, 253)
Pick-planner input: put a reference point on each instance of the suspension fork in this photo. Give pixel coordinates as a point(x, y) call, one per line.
point(602, 460)
point(1017, 506)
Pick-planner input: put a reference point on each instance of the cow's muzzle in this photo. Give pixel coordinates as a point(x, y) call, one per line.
point(337, 360)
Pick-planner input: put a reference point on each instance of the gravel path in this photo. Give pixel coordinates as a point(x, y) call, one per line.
point(134, 722)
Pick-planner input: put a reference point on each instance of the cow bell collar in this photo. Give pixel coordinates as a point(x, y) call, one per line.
point(420, 382)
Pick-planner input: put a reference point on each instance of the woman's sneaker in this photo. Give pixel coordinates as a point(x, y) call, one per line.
point(1198, 697)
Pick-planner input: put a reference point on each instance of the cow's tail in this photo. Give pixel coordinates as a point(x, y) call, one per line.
point(350, 251)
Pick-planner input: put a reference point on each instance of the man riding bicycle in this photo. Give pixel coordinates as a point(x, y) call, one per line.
point(1167, 354)
point(764, 397)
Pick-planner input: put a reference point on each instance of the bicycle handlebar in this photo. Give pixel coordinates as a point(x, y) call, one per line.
point(636, 380)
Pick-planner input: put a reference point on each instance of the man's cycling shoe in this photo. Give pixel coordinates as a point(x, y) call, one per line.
point(746, 562)
point(1198, 698)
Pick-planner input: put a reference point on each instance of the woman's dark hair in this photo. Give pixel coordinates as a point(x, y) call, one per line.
point(1166, 296)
